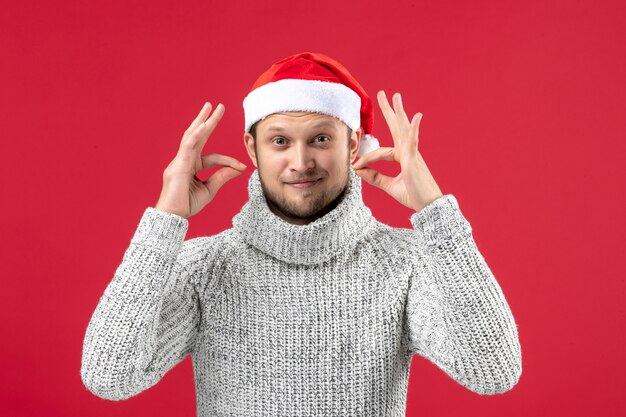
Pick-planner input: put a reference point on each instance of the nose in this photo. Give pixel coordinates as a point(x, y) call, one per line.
point(301, 158)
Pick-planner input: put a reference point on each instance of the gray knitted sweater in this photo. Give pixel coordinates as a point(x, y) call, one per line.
point(302, 320)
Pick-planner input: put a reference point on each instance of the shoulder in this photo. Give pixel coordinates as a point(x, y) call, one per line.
point(404, 244)
point(200, 255)
point(206, 247)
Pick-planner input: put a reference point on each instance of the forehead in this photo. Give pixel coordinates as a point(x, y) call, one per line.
point(293, 118)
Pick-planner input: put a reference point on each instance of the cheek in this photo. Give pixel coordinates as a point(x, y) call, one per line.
point(336, 164)
point(270, 161)
point(273, 169)
point(330, 160)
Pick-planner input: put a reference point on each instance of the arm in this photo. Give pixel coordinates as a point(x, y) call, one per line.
point(456, 314)
point(146, 321)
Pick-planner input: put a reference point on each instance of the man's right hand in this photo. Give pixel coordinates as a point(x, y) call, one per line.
point(183, 193)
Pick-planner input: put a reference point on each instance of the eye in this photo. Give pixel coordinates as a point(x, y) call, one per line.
point(278, 138)
point(323, 136)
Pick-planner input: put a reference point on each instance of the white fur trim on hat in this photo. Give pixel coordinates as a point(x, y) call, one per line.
point(325, 97)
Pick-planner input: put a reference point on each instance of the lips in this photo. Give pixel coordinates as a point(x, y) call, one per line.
point(304, 183)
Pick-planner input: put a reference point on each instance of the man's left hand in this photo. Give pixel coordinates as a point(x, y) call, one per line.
point(414, 186)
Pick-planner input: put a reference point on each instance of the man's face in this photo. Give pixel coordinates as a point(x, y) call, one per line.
point(292, 147)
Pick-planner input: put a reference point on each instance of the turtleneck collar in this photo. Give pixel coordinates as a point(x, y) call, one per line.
point(316, 242)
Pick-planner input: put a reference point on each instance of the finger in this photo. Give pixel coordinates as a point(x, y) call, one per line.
point(219, 178)
point(388, 113)
point(215, 159)
point(201, 117)
point(199, 137)
point(399, 109)
point(375, 178)
point(384, 153)
point(415, 125)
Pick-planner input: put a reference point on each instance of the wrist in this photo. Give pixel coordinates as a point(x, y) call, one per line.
point(161, 230)
point(171, 210)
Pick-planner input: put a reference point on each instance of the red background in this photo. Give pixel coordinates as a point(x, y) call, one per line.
point(523, 107)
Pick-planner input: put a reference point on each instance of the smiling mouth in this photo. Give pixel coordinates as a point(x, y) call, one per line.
point(304, 184)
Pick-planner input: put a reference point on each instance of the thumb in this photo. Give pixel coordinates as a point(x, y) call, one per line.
point(219, 178)
point(373, 177)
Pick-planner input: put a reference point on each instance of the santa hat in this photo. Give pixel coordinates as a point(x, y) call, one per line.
point(312, 82)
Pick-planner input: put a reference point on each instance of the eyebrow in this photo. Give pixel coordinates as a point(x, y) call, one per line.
point(279, 128)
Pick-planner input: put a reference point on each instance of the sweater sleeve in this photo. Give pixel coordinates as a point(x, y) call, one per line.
point(146, 321)
point(456, 313)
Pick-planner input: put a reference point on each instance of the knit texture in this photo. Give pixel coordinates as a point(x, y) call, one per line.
point(302, 320)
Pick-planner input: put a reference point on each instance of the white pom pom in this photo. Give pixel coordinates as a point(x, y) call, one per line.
point(368, 144)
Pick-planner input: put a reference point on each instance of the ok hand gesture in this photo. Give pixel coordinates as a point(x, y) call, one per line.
point(183, 193)
point(414, 187)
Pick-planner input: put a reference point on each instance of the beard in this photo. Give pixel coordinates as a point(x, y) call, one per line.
point(315, 203)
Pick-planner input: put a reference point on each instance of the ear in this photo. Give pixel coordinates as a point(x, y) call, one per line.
point(248, 142)
point(355, 142)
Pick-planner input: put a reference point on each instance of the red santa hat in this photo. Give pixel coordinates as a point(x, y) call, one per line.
point(312, 82)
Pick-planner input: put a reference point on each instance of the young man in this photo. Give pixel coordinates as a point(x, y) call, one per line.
point(307, 305)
